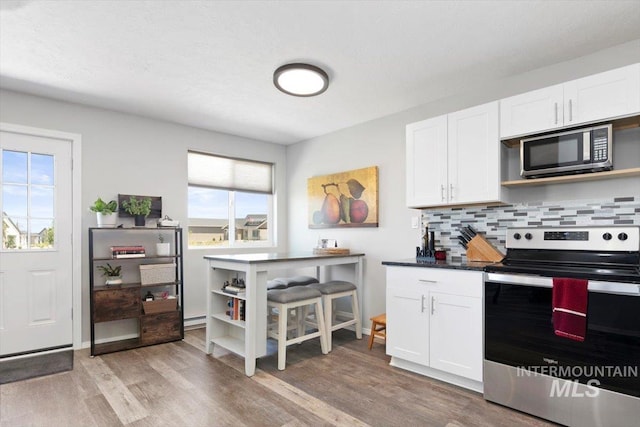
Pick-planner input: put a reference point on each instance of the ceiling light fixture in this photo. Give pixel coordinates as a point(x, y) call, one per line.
point(301, 79)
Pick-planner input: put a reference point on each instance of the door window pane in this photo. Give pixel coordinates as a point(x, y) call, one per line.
point(41, 234)
point(41, 169)
point(14, 200)
point(14, 232)
point(41, 202)
point(14, 167)
point(28, 202)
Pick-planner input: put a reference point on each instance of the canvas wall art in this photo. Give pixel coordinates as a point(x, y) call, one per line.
point(344, 199)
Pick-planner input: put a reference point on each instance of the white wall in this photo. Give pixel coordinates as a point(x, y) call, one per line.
point(382, 142)
point(129, 154)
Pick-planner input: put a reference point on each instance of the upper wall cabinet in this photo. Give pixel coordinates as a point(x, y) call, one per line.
point(603, 96)
point(454, 159)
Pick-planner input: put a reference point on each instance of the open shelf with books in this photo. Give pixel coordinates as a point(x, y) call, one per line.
point(227, 307)
point(147, 306)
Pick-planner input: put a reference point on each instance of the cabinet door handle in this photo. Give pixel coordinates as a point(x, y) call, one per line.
point(555, 109)
point(570, 110)
point(422, 304)
point(427, 281)
point(433, 305)
point(442, 191)
point(451, 191)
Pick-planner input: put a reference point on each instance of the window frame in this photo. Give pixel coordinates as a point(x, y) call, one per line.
point(233, 243)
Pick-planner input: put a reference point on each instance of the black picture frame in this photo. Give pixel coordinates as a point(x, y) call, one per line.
point(156, 206)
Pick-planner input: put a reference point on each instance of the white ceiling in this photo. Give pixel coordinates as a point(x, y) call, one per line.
point(209, 64)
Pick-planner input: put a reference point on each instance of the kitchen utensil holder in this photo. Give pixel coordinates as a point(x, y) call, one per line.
point(479, 249)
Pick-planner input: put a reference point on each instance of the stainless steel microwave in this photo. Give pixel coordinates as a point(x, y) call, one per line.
point(575, 151)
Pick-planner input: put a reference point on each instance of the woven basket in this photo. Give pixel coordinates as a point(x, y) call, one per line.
point(157, 273)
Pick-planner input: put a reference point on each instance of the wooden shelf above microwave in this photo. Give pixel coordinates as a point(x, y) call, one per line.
point(596, 176)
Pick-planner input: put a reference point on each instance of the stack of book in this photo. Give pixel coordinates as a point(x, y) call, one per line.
point(236, 309)
point(236, 287)
point(234, 290)
point(135, 251)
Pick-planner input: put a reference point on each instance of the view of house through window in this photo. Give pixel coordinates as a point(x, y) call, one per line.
point(230, 202)
point(27, 200)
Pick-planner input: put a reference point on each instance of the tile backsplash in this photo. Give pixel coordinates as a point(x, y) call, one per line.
point(492, 221)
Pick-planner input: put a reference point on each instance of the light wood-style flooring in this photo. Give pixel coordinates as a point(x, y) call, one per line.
point(177, 384)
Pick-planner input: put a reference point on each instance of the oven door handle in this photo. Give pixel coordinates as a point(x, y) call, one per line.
point(617, 288)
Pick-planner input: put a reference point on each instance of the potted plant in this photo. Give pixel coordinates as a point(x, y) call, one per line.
point(139, 208)
point(105, 213)
point(112, 274)
point(162, 248)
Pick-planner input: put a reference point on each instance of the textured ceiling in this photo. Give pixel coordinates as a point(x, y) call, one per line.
point(209, 64)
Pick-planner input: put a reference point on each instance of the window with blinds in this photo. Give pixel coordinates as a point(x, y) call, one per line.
point(230, 201)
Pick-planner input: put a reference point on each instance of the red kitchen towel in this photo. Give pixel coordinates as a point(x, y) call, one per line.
point(569, 303)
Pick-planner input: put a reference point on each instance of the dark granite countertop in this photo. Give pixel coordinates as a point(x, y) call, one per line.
point(455, 265)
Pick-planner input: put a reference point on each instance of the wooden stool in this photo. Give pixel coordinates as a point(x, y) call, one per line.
point(378, 328)
point(333, 290)
point(297, 297)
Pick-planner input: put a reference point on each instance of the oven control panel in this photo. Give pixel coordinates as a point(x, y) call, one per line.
point(566, 235)
point(596, 238)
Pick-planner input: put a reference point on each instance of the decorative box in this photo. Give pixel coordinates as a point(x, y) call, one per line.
point(157, 273)
point(159, 305)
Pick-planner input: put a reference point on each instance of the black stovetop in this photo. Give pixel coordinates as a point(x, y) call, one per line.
point(602, 266)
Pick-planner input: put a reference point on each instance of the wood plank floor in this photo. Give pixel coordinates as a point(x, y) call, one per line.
point(177, 384)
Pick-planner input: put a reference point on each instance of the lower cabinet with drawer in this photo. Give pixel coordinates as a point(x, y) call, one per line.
point(434, 323)
point(161, 327)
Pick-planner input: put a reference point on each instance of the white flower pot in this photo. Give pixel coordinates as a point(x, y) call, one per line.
point(113, 280)
point(106, 220)
point(163, 249)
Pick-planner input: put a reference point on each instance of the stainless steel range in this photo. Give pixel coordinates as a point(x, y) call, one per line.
point(589, 379)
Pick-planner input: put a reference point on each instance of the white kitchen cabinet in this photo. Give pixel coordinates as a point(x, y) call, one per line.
point(473, 157)
point(456, 343)
point(426, 162)
point(434, 323)
point(454, 159)
point(406, 306)
point(599, 97)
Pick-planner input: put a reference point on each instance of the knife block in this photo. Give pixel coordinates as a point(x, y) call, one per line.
point(479, 249)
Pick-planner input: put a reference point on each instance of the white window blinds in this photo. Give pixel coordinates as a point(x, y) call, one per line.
point(206, 170)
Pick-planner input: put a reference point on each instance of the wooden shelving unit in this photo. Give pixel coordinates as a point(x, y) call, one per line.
point(596, 176)
point(113, 303)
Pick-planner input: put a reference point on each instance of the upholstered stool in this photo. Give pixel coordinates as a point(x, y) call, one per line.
point(287, 282)
point(378, 328)
point(298, 297)
point(333, 290)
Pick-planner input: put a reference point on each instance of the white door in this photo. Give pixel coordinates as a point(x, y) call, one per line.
point(474, 155)
point(456, 335)
point(426, 161)
point(36, 251)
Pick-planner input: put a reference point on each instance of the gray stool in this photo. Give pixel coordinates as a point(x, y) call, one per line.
point(285, 299)
point(288, 282)
point(333, 290)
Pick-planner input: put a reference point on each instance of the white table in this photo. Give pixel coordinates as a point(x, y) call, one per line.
point(248, 338)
